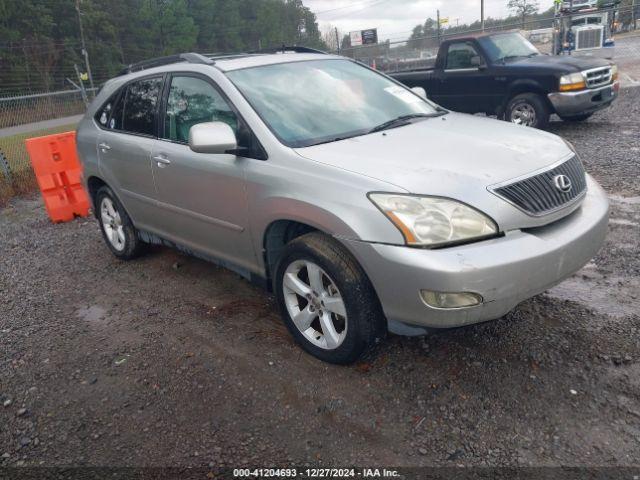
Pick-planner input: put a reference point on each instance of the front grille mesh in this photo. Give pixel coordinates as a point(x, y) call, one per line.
point(598, 77)
point(538, 195)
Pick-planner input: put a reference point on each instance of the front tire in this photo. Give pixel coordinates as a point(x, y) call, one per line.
point(117, 229)
point(326, 299)
point(528, 109)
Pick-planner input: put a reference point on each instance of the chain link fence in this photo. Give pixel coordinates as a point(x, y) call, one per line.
point(27, 116)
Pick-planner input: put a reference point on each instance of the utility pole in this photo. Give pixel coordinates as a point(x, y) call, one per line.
point(337, 41)
point(85, 54)
point(482, 15)
point(82, 89)
point(569, 30)
point(438, 27)
point(633, 14)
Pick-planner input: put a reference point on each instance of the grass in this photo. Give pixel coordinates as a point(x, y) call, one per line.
point(14, 150)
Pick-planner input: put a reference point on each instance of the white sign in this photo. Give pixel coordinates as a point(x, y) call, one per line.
point(356, 38)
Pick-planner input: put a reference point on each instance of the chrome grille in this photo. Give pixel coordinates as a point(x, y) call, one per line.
point(598, 77)
point(538, 195)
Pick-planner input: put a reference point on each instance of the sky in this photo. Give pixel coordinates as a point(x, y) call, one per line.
point(395, 19)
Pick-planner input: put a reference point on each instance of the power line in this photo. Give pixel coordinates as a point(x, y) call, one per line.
point(364, 7)
point(343, 7)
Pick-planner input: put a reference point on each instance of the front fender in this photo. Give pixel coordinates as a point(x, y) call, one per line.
point(359, 222)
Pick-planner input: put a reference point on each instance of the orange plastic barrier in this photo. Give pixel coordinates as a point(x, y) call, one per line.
point(55, 162)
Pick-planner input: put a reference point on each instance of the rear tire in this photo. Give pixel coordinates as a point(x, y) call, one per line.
point(326, 300)
point(528, 109)
point(117, 229)
point(576, 118)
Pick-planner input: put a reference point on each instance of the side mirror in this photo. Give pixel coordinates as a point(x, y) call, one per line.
point(476, 61)
point(212, 137)
point(421, 92)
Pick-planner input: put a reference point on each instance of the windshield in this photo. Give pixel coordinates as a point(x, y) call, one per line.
point(311, 102)
point(507, 45)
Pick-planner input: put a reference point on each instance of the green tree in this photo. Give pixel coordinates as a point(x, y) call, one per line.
point(523, 8)
point(40, 40)
point(172, 29)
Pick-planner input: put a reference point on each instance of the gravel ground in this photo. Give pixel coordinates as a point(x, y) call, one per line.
point(168, 360)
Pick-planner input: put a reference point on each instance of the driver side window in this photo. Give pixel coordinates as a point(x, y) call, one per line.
point(459, 56)
point(192, 101)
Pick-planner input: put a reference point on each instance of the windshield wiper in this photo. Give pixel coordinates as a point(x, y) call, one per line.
point(405, 120)
point(510, 57)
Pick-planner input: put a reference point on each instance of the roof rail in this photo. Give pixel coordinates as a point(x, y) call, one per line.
point(284, 49)
point(168, 60)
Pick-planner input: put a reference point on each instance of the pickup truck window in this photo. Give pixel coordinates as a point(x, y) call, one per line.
point(505, 46)
point(459, 56)
point(318, 101)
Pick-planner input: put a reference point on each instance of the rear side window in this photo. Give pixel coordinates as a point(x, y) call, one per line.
point(139, 108)
point(104, 114)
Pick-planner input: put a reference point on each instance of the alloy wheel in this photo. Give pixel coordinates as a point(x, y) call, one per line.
point(112, 224)
point(315, 304)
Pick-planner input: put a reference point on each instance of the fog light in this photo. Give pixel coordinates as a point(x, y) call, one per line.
point(450, 300)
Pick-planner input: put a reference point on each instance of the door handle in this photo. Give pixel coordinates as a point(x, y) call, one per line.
point(104, 147)
point(162, 161)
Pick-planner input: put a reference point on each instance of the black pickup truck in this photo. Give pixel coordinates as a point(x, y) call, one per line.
point(503, 74)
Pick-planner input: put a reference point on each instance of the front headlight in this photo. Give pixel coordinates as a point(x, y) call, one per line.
point(573, 81)
point(433, 221)
point(614, 73)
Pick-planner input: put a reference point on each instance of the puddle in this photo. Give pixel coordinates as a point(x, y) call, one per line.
point(625, 200)
point(92, 314)
point(613, 296)
point(622, 221)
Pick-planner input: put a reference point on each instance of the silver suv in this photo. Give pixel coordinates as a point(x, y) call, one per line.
point(364, 206)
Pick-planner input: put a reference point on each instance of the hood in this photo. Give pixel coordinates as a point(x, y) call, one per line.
point(561, 64)
point(456, 156)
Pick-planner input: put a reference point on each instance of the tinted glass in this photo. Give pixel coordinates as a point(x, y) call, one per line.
point(193, 101)
point(311, 102)
point(459, 56)
point(104, 114)
point(140, 106)
point(115, 122)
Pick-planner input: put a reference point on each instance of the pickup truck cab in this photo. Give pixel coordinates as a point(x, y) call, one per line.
point(503, 74)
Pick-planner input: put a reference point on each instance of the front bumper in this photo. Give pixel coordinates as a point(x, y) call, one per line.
point(505, 270)
point(584, 101)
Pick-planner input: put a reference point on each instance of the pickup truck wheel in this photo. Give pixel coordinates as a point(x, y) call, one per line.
point(326, 300)
point(117, 229)
point(576, 118)
point(528, 109)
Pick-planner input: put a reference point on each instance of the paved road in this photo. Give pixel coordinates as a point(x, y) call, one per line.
point(33, 127)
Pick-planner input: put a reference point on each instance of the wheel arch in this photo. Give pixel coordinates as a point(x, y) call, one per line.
point(279, 220)
point(526, 86)
point(276, 236)
point(94, 184)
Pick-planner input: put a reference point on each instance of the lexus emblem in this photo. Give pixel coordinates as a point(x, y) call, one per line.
point(562, 183)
